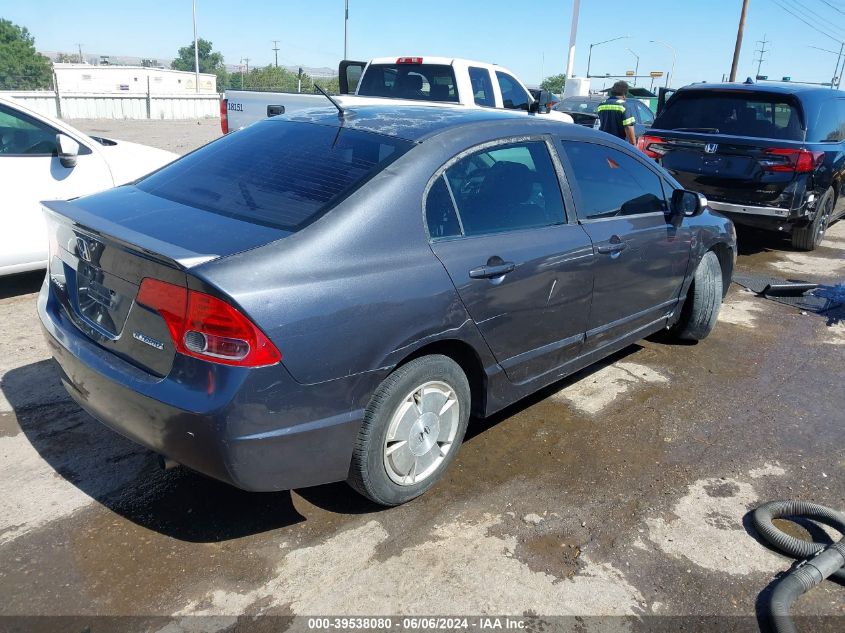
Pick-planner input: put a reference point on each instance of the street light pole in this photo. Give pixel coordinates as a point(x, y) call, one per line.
point(590, 54)
point(196, 50)
point(346, 31)
point(573, 32)
point(637, 67)
point(674, 57)
point(739, 33)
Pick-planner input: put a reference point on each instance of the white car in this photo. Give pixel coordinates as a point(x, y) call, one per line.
point(42, 158)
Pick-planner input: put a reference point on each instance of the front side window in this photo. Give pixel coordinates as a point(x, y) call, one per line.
point(646, 115)
point(514, 96)
point(612, 184)
point(23, 135)
point(482, 87)
point(419, 82)
point(504, 188)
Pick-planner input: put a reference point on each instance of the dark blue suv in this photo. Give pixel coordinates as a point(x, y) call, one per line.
point(769, 155)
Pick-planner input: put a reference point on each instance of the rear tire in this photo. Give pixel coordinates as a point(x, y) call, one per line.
point(412, 430)
point(807, 238)
point(704, 299)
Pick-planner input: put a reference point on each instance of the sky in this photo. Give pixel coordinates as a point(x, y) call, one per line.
point(530, 37)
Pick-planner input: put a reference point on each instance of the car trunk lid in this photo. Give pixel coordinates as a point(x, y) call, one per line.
point(100, 254)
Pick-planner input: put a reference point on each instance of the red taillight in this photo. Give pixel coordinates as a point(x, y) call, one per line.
point(206, 327)
point(651, 146)
point(224, 115)
point(800, 161)
point(409, 60)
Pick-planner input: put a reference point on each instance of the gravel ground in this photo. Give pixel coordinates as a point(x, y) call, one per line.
point(619, 495)
point(174, 136)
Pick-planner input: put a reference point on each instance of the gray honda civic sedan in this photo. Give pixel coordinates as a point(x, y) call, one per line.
point(329, 296)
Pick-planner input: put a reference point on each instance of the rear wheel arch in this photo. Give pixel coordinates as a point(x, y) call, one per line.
point(467, 359)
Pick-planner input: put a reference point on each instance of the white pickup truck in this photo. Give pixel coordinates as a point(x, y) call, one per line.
point(436, 81)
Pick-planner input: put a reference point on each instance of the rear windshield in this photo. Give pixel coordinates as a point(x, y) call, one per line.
point(420, 82)
point(282, 174)
point(756, 115)
point(578, 105)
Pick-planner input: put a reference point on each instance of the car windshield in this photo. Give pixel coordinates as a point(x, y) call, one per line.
point(419, 82)
point(758, 115)
point(282, 174)
point(578, 105)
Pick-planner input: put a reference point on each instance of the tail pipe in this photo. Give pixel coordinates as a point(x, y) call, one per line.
point(824, 561)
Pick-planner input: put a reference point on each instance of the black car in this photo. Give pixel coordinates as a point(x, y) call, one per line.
point(768, 155)
point(583, 111)
point(317, 298)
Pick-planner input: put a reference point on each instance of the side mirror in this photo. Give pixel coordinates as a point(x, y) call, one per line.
point(688, 203)
point(68, 150)
point(534, 107)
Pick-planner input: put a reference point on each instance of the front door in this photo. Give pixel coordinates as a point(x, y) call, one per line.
point(523, 273)
point(30, 171)
point(641, 254)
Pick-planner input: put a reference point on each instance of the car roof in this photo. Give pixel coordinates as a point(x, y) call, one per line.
point(774, 87)
point(430, 59)
point(412, 123)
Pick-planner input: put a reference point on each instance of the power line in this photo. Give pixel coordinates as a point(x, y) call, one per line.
point(819, 21)
point(815, 28)
point(833, 6)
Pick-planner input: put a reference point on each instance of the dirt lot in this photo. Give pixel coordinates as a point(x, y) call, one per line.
point(622, 491)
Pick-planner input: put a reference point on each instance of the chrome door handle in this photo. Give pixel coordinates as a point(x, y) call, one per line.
point(611, 248)
point(488, 272)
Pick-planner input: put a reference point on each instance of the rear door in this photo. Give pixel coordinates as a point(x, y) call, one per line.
point(733, 146)
point(523, 272)
point(641, 255)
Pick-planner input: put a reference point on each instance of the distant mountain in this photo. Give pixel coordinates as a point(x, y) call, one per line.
point(319, 73)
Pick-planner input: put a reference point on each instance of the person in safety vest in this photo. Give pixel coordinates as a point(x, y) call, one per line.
point(616, 115)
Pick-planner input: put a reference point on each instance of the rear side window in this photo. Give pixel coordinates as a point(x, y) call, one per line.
point(612, 184)
point(514, 96)
point(282, 174)
point(420, 82)
point(440, 211)
point(482, 87)
point(758, 115)
point(505, 188)
point(830, 125)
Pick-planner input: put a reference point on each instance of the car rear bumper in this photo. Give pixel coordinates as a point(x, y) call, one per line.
point(256, 429)
point(770, 212)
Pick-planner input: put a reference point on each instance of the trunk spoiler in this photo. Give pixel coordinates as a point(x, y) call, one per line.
point(134, 240)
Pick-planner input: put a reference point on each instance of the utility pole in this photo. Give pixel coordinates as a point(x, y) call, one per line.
point(82, 61)
point(739, 33)
point(762, 52)
point(573, 33)
point(276, 51)
point(346, 31)
point(196, 50)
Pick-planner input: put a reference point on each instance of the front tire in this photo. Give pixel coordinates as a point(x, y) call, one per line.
point(807, 238)
point(704, 300)
point(411, 431)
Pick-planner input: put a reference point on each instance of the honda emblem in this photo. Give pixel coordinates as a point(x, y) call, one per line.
point(710, 148)
point(83, 249)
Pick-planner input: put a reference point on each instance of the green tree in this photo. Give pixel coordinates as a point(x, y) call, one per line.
point(210, 61)
point(554, 84)
point(65, 58)
point(21, 67)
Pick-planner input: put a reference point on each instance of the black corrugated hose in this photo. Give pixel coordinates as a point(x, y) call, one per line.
point(821, 560)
